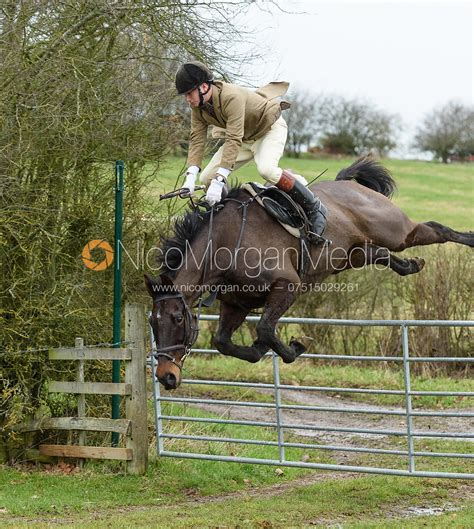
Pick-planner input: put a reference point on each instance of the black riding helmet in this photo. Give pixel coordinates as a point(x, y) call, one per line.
point(192, 74)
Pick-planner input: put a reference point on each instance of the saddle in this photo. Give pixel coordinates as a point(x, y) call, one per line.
point(281, 207)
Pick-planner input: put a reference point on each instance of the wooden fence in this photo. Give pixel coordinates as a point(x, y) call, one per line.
point(134, 426)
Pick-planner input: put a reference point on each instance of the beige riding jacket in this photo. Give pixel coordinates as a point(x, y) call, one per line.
point(240, 115)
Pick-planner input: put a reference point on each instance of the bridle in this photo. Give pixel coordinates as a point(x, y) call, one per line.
point(191, 331)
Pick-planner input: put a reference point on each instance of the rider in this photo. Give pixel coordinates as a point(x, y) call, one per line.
point(252, 127)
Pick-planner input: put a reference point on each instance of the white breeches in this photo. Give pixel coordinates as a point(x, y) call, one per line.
point(266, 151)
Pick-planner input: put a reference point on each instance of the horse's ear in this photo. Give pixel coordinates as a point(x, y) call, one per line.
point(152, 285)
point(166, 281)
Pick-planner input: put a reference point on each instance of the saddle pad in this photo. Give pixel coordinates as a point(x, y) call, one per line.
point(251, 188)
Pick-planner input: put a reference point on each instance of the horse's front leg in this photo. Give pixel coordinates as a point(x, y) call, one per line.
point(280, 299)
point(231, 318)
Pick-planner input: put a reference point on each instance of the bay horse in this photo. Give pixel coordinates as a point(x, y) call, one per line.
point(258, 264)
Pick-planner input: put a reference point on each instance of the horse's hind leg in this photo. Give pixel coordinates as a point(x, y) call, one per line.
point(281, 297)
point(405, 267)
point(371, 254)
point(231, 318)
point(436, 233)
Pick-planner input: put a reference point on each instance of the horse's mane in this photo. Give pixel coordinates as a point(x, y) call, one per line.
point(186, 228)
point(370, 173)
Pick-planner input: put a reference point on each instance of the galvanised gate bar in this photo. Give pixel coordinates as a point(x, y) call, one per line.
point(280, 425)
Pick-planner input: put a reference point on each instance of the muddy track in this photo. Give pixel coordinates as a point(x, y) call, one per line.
point(372, 420)
point(325, 422)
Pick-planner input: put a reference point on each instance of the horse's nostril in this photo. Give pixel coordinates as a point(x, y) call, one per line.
point(170, 381)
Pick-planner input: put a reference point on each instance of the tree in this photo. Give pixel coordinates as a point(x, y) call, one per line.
point(301, 121)
point(82, 84)
point(353, 127)
point(447, 131)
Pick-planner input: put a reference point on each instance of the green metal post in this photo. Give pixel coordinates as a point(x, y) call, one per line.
point(119, 170)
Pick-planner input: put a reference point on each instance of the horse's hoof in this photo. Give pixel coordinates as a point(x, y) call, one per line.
point(297, 347)
point(420, 262)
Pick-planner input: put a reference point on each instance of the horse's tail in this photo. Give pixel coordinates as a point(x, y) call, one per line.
point(370, 173)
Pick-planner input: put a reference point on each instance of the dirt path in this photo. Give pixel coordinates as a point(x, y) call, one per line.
point(326, 421)
point(330, 419)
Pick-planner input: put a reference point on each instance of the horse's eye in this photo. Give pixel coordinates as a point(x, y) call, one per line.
point(179, 318)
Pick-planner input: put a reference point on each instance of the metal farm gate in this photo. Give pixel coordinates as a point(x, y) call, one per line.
point(283, 425)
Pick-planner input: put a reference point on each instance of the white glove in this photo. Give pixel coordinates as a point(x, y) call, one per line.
point(214, 192)
point(223, 172)
point(301, 179)
point(190, 181)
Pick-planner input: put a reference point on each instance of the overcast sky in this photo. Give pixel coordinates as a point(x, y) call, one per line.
point(405, 56)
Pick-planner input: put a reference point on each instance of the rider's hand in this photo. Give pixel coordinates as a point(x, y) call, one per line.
point(301, 179)
point(214, 192)
point(190, 181)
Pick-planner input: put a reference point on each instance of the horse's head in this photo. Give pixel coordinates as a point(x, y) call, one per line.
point(174, 329)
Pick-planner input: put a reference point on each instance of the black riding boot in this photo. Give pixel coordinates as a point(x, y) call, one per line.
point(313, 207)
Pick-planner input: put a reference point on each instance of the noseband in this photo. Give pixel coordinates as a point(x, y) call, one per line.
point(190, 333)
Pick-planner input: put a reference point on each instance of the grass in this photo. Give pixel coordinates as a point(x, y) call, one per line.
point(426, 190)
point(175, 493)
point(31, 492)
point(229, 448)
point(422, 463)
point(367, 501)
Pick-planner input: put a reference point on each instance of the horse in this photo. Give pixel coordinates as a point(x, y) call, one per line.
point(250, 261)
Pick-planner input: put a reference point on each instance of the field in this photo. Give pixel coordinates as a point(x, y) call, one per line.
point(190, 494)
point(198, 494)
point(426, 190)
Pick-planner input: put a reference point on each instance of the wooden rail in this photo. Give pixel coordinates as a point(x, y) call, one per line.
point(89, 452)
point(90, 388)
point(71, 353)
point(91, 424)
point(134, 427)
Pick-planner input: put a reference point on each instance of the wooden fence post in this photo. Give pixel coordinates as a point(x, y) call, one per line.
point(135, 374)
point(81, 399)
